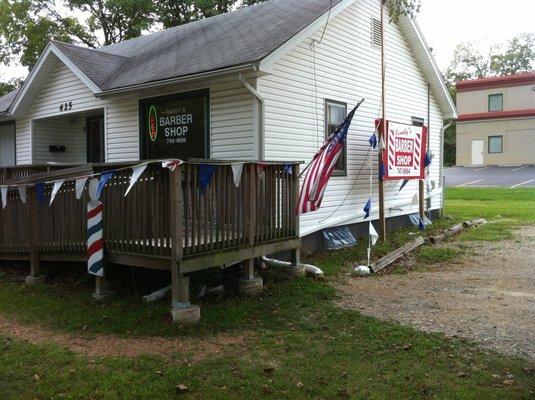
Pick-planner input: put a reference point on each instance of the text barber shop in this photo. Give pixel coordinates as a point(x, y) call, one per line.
point(175, 126)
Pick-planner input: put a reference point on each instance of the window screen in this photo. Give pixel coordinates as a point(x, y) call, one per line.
point(495, 144)
point(496, 102)
point(335, 113)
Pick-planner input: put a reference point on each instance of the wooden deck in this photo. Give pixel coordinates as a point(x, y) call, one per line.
point(220, 225)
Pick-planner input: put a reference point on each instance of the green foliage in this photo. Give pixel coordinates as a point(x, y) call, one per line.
point(397, 8)
point(6, 87)
point(433, 255)
point(515, 57)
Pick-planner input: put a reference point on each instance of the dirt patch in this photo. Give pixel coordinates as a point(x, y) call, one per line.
point(489, 296)
point(94, 346)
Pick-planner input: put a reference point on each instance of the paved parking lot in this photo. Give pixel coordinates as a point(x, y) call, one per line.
point(511, 177)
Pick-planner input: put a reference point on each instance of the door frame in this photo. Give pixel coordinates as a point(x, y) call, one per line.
point(482, 141)
point(102, 136)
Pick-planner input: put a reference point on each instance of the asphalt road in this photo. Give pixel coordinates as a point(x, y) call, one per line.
point(511, 177)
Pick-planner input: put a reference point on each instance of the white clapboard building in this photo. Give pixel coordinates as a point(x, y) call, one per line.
point(266, 82)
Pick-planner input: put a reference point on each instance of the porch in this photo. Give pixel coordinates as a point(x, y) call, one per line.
point(218, 226)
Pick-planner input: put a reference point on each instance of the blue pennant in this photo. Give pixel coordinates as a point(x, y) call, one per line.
point(206, 172)
point(403, 185)
point(368, 208)
point(40, 192)
point(427, 160)
point(288, 168)
point(373, 141)
point(381, 171)
point(104, 178)
point(421, 225)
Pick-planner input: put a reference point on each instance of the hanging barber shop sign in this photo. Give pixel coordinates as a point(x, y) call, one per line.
point(404, 155)
point(175, 126)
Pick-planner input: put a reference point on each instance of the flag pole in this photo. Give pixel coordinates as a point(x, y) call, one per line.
point(382, 131)
point(327, 142)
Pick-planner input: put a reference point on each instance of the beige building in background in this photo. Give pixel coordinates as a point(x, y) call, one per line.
point(496, 124)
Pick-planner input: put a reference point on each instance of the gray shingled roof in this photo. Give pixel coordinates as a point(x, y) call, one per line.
point(237, 38)
point(7, 99)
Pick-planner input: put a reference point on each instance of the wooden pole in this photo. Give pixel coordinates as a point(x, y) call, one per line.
point(32, 205)
point(296, 253)
point(382, 132)
point(421, 196)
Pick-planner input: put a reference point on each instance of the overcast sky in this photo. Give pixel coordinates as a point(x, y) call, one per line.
point(445, 24)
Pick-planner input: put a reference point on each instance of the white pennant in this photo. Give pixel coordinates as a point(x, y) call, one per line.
point(414, 200)
point(80, 185)
point(382, 144)
point(171, 164)
point(137, 170)
point(55, 190)
point(237, 170)
point(4, 190)
point(22, 193)
point(373, 234)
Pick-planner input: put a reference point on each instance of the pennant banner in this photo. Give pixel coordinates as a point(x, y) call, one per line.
point(40, 192)
point(55, 190)
point(4, 190)
point(80, 185)
point(373, 141)
point(288, 168)
point(22, 193)
point(104, 178)
point(368, 208)
point(206, 172)
point(414, 201)
point(171, 164)
point(237, 170)
point(427, 160)
point(403, 184)
point(136, 173)
point(421, 225)
point(373, 234)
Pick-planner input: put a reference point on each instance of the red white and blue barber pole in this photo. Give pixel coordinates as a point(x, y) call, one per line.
point(95, 239)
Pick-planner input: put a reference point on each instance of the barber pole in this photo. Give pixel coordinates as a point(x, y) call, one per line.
point(95, 239)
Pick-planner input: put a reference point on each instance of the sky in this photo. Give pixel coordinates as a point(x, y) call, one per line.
point(445, 24)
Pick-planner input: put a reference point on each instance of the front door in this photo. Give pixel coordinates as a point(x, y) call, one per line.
point(95, 139)
point(477, 152)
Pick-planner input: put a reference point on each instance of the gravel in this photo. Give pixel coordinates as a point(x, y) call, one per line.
point(487, 296)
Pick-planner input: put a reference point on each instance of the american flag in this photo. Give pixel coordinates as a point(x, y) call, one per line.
point(322, 166)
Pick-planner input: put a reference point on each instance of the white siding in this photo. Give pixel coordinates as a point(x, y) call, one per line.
point(348, 68)
point(231, 116)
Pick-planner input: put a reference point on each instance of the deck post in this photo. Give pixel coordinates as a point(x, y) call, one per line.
point(297, 269)
point(35, 277)
point(250, 285)
point(102, 289)
point(182, 311)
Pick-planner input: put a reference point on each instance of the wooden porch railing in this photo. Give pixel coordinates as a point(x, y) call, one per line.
point(215, 226)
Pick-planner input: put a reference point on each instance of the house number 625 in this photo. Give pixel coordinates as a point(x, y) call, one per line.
point(66, 106)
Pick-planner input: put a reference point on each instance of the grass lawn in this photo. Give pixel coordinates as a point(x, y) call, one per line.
point(296, 342)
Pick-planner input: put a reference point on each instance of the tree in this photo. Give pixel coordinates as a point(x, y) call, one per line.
point(6, 87)
point(517, 56)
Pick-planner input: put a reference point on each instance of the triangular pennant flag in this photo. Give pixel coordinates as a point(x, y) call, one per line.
point(172, 164)
point(4, 190)
point(237, 170)
point(403, 184)
point(137, 170)
point(22, 193)
point(421, 225)
point(80, 185)
point(373, 141)
point(104, 178)
point(381, 171)
point(206, 172)
point(40, 192)
point(414, 200)
point(55, 190)
point(382, 143)
point(427, 160)
point(288, 168)
point(373, 234)
point(367, 208)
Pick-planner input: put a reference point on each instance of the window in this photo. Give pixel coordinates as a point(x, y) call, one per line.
point(496, 102)
point(335, 113)
point(495, 144)
point(417, 121)
point(376, 32)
